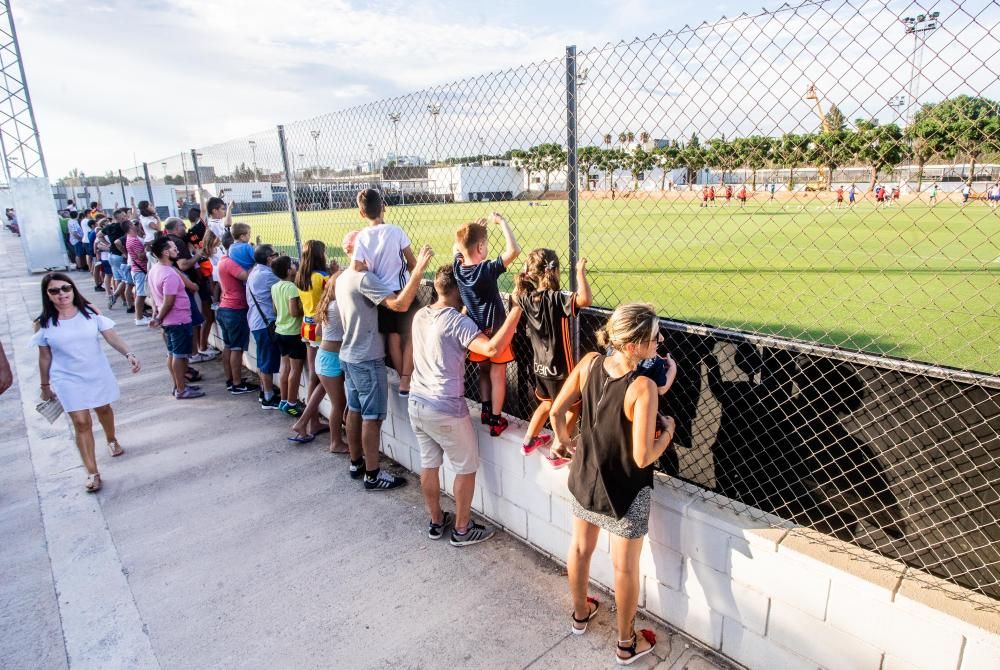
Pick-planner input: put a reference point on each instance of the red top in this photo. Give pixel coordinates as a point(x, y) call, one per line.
point(234, 295)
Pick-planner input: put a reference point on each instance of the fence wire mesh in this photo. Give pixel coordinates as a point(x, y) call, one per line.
point(803, 194)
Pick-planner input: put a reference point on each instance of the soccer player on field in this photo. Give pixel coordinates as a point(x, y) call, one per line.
point(742, 195)
point(704, 196)
point(840, 197)
point(965, 194)
point(933, 193)
point(711, 195)
point(729, 194)
point(850, 195)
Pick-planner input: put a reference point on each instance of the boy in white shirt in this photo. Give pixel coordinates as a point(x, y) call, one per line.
point(385, 250)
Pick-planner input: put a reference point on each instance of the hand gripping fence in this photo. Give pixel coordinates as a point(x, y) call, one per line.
point(809, 196)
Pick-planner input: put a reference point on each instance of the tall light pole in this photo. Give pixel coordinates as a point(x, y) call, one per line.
point(253, 153)
point(185, 175)
point(164, 166)
point(371, 158)
point(920, 27)
point(482, 152)
point(315, 135)
point(435, 110)
point(395, 117)
point(302, 163)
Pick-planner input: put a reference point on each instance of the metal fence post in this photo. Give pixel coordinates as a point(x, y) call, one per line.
point(121, 182)
point(572, 183)
point(149, 184)
point(197, 171)
point(290, 184)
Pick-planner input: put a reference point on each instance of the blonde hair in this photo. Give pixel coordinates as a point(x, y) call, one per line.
point(329, 295)
point(633, 323)
point(471, 234)
point(210, 243)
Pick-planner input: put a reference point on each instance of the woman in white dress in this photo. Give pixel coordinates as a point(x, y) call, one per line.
point(74, 368)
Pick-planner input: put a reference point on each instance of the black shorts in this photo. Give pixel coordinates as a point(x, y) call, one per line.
point(547, 389)
point(390, 321)
point(205, 290)
point(291, 346)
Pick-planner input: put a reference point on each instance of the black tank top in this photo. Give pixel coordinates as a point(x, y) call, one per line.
point(604, 477)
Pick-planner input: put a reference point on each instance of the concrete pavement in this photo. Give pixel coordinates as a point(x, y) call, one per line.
point(215, 543)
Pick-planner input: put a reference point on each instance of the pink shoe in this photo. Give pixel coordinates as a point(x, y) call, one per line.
point(557, 461)
point(534, 443)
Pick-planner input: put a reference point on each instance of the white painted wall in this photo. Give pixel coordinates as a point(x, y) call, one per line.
point(768, 595)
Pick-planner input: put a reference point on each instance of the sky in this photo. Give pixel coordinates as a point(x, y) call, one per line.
point(116, 82)
point(113, 79)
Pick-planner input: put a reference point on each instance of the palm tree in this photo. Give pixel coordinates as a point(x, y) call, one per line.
point(643, 137)
point(623, 138)
point(607, 140)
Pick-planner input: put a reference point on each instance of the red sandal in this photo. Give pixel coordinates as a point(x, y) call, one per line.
point(586, 620)
point(634, 655)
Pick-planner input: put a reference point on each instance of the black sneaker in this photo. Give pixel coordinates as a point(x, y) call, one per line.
point(99, 289)
point(243, 388)
point(474, 534)
point(270, 404)
point(383, 482)
point(357, 470)
point(130, 310)
point(229, 385)
point(435, 531)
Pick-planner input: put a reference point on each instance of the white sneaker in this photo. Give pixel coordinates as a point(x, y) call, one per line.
point(144, 321)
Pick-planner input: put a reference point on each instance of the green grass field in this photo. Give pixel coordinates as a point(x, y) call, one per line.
point(911, 281)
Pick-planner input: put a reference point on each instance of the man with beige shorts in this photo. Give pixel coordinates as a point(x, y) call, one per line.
point(438, 410)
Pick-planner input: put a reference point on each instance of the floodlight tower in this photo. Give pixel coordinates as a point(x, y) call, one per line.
point(435, 111)
point(920, 26)
point(19, 141)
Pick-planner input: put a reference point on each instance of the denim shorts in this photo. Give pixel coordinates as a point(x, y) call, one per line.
point(234, 328)
point(367, 389)
point(196, 317)
point(118, 267)
point(106, 268)
point(139, 279)
point(179, 340)
point(328, 363)
point(268, 357)
point(78, 249)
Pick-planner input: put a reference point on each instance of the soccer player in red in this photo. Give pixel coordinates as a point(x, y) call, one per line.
point(711, 195)
point(840, 197)
point(704, 196)
point(729, 194)
point(742, 195)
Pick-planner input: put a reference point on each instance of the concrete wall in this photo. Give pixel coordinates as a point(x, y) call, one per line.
point(764, 593)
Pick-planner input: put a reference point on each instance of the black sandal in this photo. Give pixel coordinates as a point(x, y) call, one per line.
point(192, 375)
point(586, 620)
point(634, 655)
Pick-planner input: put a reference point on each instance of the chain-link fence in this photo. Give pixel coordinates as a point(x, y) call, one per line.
point(804, 195)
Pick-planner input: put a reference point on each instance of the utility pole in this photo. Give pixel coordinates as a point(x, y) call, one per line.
point(435, 111)
point(315, 135)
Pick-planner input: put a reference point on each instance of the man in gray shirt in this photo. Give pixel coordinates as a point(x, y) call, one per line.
point(362, 354)
point(438, 412)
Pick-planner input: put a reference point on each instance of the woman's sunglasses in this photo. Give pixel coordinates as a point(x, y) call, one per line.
point(56, 290)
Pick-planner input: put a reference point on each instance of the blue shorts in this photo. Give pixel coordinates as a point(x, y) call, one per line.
point(118, 267)
point(268, 356)
point(328, 363)
point(179, 340)
point(78, 249)
point(367, 389)
point(106, 267)
point(234, 328)
point(196, 317)
point(139, 279)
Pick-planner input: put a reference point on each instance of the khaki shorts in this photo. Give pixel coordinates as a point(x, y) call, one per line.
point(439, 434)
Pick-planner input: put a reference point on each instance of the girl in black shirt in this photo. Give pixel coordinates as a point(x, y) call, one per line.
point(547, 314)
point(611, 476)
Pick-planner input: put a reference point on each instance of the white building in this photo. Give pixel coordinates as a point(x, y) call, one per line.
point(475, 183)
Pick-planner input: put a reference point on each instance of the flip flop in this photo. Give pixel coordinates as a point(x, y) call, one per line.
point(302, 439)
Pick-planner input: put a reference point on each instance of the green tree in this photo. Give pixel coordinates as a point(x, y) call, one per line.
point(549, 158)
point(878, 146)
point(831, 150)
point(667, 159)
point(834, 120)
point(586, 158)
point(972, 125)
point(927, 136)
point(753, 152)
point(692, 159)
point(638, 162)
point(610, 161)
point(719, 156)
point(791, 150)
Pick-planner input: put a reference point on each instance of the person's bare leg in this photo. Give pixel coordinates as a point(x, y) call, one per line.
point(430, 486)
point(206, 329)
point(498, 387)
point(394, 345)
point(334, 387)
point(465, 487)
point(235, 366)
point(106, 416)
point(371, 435)
point(625, 557)
point(140, 306)
point(266, 381)
point(354, 431)
point(227, 367)
point(538, 420)
point(286, 364)
point(178, 366)
point(484, 381)
point(308, 419)
point(407, 361)
point(581, 548)
point(294, 379)
point(195, 337)
point(83, 427)
point(313, 377)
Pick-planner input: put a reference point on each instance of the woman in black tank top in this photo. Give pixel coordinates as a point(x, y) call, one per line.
point(611, 476)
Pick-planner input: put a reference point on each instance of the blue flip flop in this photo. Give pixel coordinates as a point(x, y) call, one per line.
point(302, 439)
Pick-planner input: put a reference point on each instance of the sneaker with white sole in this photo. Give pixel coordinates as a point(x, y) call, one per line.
point(143, 321)
point(435, 531)
point(534, 443)
point(474, 534)
point(383, 481)
point(357, 469)
point(199, 358)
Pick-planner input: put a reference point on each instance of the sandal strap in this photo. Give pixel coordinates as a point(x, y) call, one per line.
point(590, 613)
